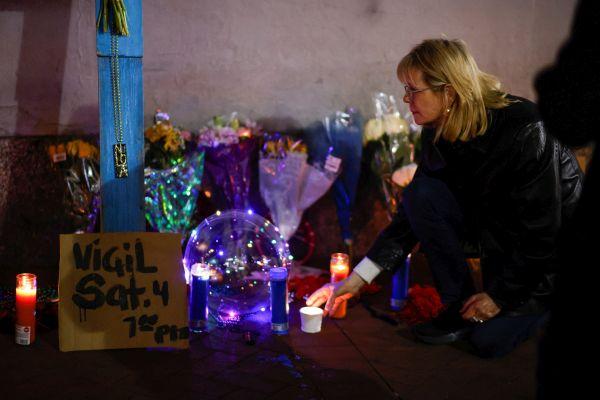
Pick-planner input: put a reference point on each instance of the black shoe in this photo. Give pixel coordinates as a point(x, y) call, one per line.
point(447, 327)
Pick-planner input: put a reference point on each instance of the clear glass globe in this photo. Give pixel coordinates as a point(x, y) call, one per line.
point(240, 248)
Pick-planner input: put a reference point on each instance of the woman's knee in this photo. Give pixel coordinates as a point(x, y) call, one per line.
point(415, 193)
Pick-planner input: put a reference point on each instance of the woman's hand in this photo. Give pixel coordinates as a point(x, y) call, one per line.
point(333, 294)
point(479, 308)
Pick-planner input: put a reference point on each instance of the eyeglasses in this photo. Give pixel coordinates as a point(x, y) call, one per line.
point(410, 93)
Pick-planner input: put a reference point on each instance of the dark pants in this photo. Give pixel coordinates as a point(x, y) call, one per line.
point(437, 220)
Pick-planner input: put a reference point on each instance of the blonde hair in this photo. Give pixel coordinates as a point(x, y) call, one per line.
point(448, 62)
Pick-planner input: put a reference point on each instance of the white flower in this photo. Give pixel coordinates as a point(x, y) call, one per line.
point(393, 124)
point(373, 130)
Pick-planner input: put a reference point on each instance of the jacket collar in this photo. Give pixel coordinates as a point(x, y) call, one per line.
point(433, 156)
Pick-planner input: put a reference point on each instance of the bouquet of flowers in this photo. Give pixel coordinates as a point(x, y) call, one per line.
point(229, 144)
point(337, 143)
point(164, 144)
point(390, 144)
point(172, 176)
point(288, 183)
point(79, 162)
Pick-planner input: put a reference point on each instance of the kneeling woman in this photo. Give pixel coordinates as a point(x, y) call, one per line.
point(491, 184)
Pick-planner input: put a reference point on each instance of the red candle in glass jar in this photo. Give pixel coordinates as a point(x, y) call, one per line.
point(340, 269)
point(25, 306)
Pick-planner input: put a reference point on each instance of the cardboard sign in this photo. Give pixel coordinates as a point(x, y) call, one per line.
point(122, 290)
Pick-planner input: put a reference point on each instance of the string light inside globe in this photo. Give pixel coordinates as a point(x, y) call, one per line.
point(239, 247)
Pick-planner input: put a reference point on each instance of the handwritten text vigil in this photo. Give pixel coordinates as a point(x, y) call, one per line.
point(121, 290)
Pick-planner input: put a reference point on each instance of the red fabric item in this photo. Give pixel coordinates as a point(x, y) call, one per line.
point(423, 304)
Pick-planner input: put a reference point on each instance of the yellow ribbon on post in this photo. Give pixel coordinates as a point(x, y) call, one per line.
point(119, 17)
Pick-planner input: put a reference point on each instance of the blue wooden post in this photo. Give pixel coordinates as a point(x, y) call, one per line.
point(122, 199)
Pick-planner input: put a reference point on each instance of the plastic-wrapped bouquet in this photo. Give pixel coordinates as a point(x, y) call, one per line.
point(229, 144)
point(390, 144)
point(79, 162)
point(288, 183)
point(336, 142)
point(172, 176)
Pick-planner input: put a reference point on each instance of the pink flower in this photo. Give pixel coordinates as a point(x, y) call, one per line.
point(186, 135)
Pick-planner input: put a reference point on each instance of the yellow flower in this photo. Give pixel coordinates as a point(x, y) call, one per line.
point(73, 148)
point(164, 128)
point(299, 147)
point(270, 148)
point(152, 135)
point(173, 141)
point(76, 148)
point(87, 150)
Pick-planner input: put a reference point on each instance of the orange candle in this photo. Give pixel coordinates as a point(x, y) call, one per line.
point(25, 306)
point(340, 269)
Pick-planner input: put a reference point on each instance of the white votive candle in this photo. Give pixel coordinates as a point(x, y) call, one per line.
point(310, 319)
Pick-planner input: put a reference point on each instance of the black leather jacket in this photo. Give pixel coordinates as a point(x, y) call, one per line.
point(516, 186)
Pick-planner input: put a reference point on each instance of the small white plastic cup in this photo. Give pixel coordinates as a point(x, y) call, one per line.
point(310, 319)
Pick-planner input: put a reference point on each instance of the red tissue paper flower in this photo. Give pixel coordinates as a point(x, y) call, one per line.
point(422, 305)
